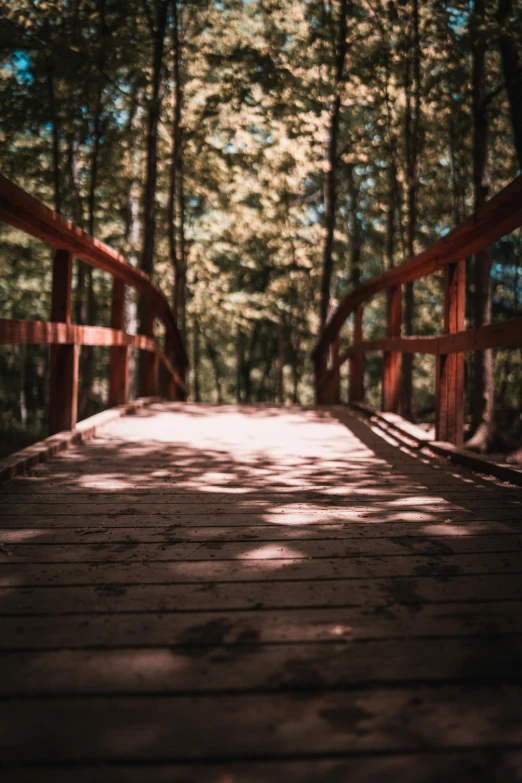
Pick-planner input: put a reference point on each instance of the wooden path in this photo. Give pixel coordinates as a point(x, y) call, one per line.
point(237, 595)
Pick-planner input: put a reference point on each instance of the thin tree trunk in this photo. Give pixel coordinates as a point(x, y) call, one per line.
point(214, 360)
point(341, 49)
point(55, 131)
point(483, 393)
point(158, 30)
point(176, 204)
point(280, 360)
point(354, 228)
point(195, 359)
point(512, 70)
point(413, 91)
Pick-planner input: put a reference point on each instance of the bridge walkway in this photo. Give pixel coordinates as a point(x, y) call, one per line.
point(244, 594)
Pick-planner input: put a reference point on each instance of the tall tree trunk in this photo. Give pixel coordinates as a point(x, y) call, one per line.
point(214, 360)
point(132, 227)
point(354, 228)
point(280, 360)
point(157, 24)
point(341, 49)
point(512, 70)
point(55, 131)
point(176, 206)
point(483, 393)
point(87, 354)
point(195, 358)
point(158, 29)
point(413, 93)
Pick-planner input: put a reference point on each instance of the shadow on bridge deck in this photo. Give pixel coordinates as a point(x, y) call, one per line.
point(235, 594)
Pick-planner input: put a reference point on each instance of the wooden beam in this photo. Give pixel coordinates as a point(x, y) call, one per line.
point(449, 397)
point(149, 362)
point(391, 362)
point(46, 332)
point(334, 384)
point(43, 332)
point(356, 391)
point(63, 380)
point(119, 355)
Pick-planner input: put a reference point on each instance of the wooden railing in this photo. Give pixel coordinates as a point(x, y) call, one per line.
point(498, 217)
point(20, 210)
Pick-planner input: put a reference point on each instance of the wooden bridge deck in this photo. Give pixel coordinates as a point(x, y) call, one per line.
point(237, 595)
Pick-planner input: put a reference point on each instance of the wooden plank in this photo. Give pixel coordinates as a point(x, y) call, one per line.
point(42, 332)
point(63, 377)
point(334, 383)
point(421, 766)
point(94, 529)
point(119, 355)
point(261, 595)
point(91, 630)
point(295, 569)
point(391, 368)
point(306, 667)
point(356, 391)
point(257, 726)
point(449, 409)
point(148, 364)
point(498, 217)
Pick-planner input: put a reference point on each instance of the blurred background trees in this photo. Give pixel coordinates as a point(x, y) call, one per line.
point(260, 159)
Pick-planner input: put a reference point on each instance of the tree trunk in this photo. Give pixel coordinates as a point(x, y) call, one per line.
point(214, 360)
point(55, 131)
point(176, 204)
point(512, 70)
point(331, 178)
point(87, 352)
point(280, 360)
point(413, 91)
point(132, 229)
point(354, 229)
point(158, 29)
point(483, 393)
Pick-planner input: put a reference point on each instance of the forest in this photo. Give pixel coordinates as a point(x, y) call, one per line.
point(259, 159)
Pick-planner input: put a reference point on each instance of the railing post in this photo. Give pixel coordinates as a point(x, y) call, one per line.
point(356, 391)
point(319, 373)
point(170, 383)
point(149, 361)
point(449, 413)
point(391, 362)
point(63, 380)
point(119, 354)
point(334, 383)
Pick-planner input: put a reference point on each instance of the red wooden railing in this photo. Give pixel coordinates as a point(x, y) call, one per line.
point(20, 210)
point(498, 217)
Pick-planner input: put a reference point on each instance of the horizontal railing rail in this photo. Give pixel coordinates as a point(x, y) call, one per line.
point(20, 210)
point(497, 218)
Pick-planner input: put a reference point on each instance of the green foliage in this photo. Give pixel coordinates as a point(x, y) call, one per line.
point(258, 83)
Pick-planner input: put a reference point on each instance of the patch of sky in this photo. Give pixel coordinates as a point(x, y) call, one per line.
point(21, 67)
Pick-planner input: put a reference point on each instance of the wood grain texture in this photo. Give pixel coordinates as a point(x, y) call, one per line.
point(216, 594)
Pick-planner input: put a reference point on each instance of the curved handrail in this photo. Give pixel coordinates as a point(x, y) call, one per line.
point(498, 217)
point(21, 210)
point(25, 212)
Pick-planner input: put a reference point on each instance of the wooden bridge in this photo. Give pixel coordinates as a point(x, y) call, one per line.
point(229, 594)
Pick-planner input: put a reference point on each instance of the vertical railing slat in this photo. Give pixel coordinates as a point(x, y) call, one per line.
point(119, 354)
point(450, 367)
point(63, 380)
point(391, 380)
